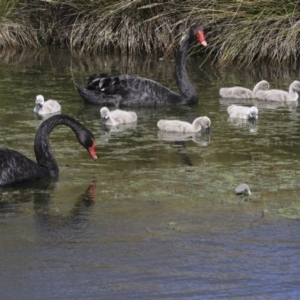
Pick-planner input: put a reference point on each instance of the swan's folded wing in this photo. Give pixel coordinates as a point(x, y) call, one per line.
point(236, 92)
point(236, 111)
point(15, 167)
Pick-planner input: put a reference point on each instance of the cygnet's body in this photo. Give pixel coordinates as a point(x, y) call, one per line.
point(280, 95)
point(43, 107)
point(244, 93)
point(243, 189)
point(117, 116)
point(201, 123)
point(242, 112)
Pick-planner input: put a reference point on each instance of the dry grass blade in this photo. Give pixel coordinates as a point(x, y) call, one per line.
point(241, 31)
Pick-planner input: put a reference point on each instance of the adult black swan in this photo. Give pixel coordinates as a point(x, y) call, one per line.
point(131, 90)
point(16, 168)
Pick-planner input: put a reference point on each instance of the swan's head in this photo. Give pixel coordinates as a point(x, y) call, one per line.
point(87, 140)
point(105, 114)
point(296, 86)
point(39, 102)
point(104, 84)
point(194, 31)
point(199, 33)
point(253, 114)
point(264, 85)
point(205, 123)
point(243, 189)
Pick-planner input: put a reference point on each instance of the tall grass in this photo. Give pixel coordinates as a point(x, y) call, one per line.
point(15, 28)
point(237, 31)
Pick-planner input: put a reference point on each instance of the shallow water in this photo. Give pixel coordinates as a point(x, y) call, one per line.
point(156, 216)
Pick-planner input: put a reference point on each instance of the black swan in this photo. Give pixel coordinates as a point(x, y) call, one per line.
point(16, 168)
point(131, 90)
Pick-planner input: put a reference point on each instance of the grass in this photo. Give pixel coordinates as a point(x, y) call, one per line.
point(237, 31)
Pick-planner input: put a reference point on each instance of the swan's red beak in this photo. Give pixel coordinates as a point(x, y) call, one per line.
point(92, 150)
point(201, 38)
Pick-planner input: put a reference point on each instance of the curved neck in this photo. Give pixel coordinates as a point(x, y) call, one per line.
point(256, 88)
point(197, 124)
point(188, 93)
point(292, 93)
point(42, 149)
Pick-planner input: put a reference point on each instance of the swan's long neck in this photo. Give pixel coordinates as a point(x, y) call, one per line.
point(197, 124)
point(42, 149)
point(292, 93)
point(188, 93)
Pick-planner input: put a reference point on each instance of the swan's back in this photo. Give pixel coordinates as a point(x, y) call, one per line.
point(280, 95)
point(117, 116)
point(123, 117)
point(175, 125)
point(236, 92)
point(242, 112)
point(50, 107)
point(273, 95)
point(17, 168)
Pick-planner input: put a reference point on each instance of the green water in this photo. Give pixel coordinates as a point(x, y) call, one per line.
point(163, 221)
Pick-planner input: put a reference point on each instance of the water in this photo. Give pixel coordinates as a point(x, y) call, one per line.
point(156, 216)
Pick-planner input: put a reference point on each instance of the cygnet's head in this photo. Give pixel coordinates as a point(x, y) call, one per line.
point(105, 114)
point(264, 85)
point(253, 113)
point(243, 189)
point(296, 86)
point(39, 101)
point(205, 123)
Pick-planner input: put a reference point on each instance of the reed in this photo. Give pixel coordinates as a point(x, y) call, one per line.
point(16, 30)
point(237, 31)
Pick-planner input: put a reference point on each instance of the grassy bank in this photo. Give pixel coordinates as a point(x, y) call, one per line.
point(236, 31)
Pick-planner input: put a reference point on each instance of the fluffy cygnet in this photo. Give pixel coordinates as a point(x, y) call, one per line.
point(280, 95)
point(243, 189)
point(117, 116)
point(244, 93)
point(242, 112)
point(201, 123)
point(43, 107)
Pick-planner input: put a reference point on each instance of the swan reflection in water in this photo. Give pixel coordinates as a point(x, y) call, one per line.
point(51, 222)
point(260, 104)
point(266, 104)
point(110, 131)
point(251, 124)
point(201, 139)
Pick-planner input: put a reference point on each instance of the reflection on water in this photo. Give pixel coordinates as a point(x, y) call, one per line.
point(164, 221)
point(50, 222)
point(114, 131)
point(261, 104)
point(251, 124)
point(202, 139)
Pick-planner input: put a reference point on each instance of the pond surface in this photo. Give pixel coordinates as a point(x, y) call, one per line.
point(156, 216)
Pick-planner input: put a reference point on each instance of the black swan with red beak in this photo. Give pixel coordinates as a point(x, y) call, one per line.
point(17, 168)
point(131, 90)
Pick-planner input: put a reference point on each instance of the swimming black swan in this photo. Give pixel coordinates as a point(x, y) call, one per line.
point(16, 168)
point(131, 90)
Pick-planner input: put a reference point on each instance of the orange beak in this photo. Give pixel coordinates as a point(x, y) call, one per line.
point(92, 151)
point(201, 38)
